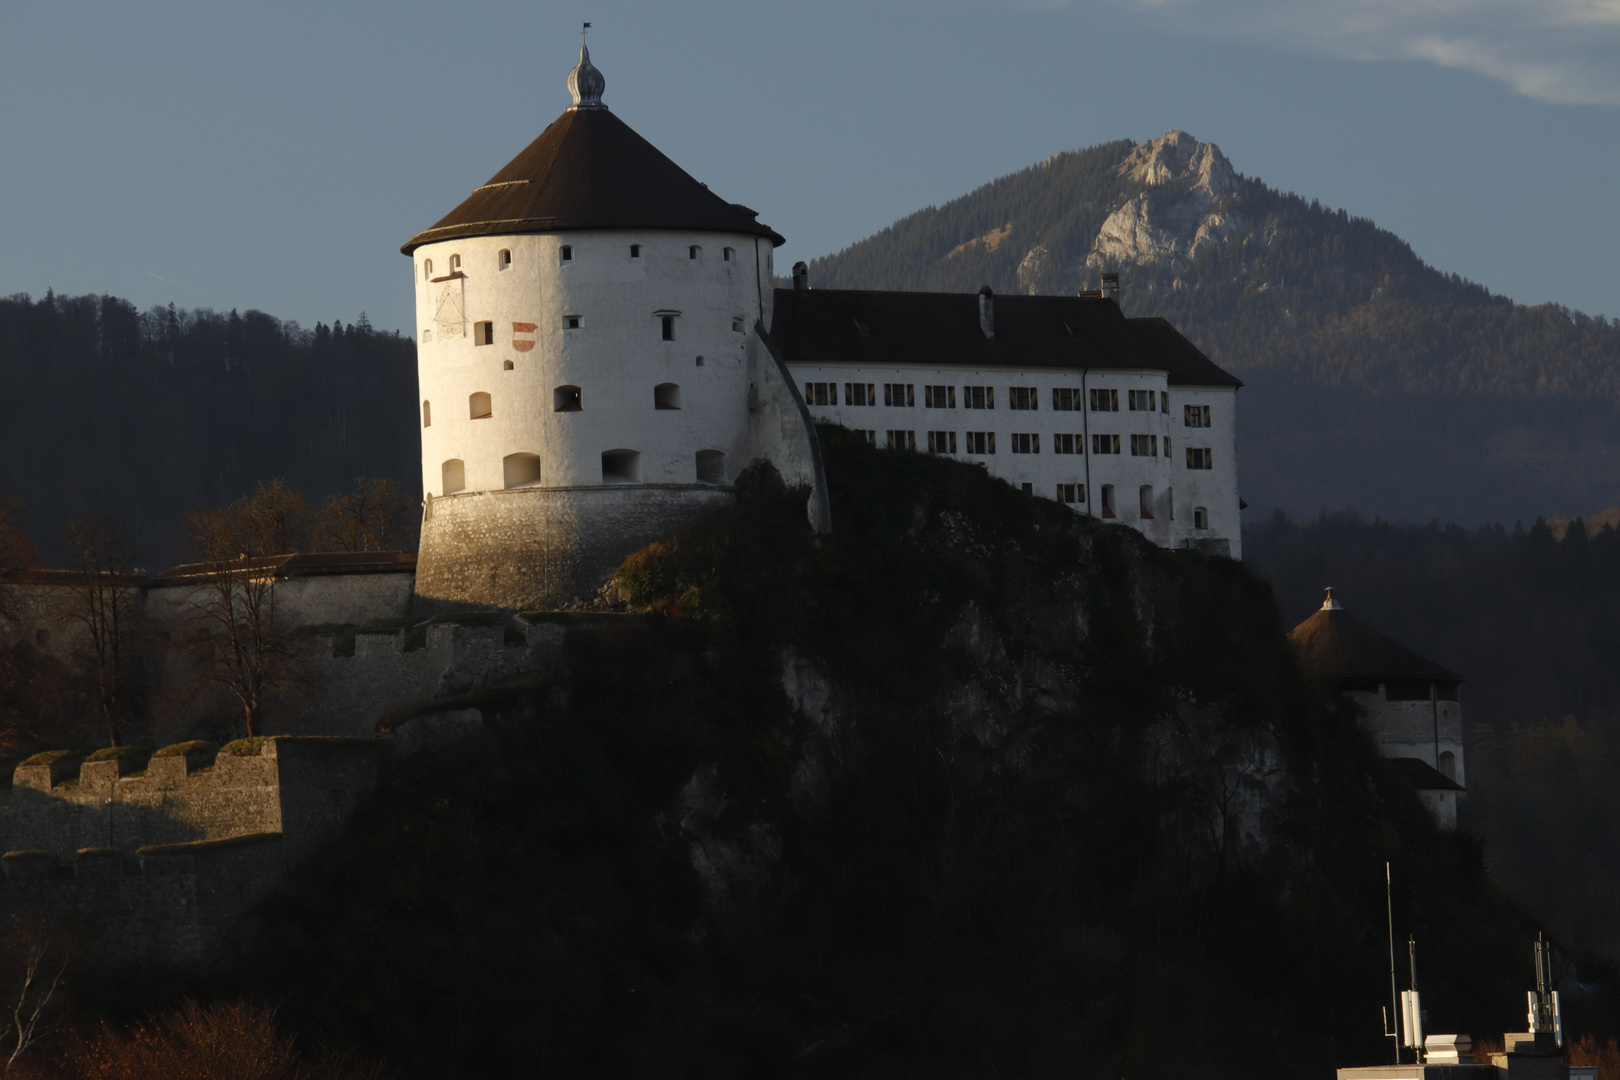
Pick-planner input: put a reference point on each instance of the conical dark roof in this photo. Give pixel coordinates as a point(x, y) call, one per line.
point(1333, 644)
point(590, 170)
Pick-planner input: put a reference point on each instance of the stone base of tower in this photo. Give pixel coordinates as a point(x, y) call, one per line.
point(545, 548)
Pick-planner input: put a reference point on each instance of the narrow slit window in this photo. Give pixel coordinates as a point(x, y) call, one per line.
point(667, 325)
point(427, 269)
point(427, 414)
point(693, 252)
point(635, 251)
point(1144, 501)
point(1108, 500)
point(1200, 517)
point(566, 252)
point(455, 264)
point(503, 259)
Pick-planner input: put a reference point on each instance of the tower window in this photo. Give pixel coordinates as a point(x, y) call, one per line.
point(693, 252)
point(700, 361)
point(483, 333)
point(567, 252)
point(1200, 518)
point(507, 365)
point(455, 264)
point(1144, 501)
point(427, 336)
point(453, 475)
point(711, 467)
point(666, 395)
point(571, 322)
point(635, 251)
point(520, 470)
point(621, 467)
point(503, 259)
point(726, 254)
point(736, 324)
point(427, 414)
point(478, 406)
point(427, 269)
point(1108, 500)
point(566, 399)
point(668, 324)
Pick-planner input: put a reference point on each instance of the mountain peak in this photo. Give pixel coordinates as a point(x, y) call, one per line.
point(1178, 158)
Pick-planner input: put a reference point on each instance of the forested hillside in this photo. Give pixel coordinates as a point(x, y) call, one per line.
point(146, 416)
point(1374, 379)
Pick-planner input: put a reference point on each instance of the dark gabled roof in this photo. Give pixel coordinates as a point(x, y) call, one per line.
point(589, 170)
point(1419, 774)
point(1335, 645)
point(814, 326)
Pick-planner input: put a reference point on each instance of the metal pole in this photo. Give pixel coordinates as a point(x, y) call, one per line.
point(1394, 994)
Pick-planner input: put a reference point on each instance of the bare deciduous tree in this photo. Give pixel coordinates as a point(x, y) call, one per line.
point(372, 517)
point(31, 1012)
point(101, 606)
point(236, 608)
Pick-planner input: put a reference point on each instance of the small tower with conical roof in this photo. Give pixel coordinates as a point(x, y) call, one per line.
point(1409, 704)
point(592, 363)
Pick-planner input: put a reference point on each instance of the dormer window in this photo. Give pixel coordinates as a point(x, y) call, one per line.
point(455, 264)
point(635, 251)
point(503, 260)
point(726, 254)
point(567, 253)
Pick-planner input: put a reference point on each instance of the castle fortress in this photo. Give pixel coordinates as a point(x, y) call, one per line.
point(602, 351)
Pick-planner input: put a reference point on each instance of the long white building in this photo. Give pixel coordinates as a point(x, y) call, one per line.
point(601, 352)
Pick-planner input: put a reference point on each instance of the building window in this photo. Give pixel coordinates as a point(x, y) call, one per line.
point(869, 436)
point(1068, 444)
point(736, 324)
point(635, 251)
point(566, 399)
point(942, 442)
point(666, 395)
point(521, 470)
point(821, 393)
point(1143, 401)
point(478, 406)
point(621, 467)
point(1105, 401)
point(483, 333)
point(1065, 399)
point(503, 259)
point(1025, 444)
point(1108, 500)
point(711, 467)
point(1027, 488)
point(566, 253)
point(700, 361)
point(693, 252)
point(1448, 765)
point(427, 269)
point(1023, 397)
point(1200, 458)
point(900, 440)
point(1195, 416)
point(1167, 446)
point(1105, 444)
point(899, 395)
point(453, 476)
point(859, 393)
point(726, 254)
point(667, 323)
point(427, 336)
point(572, 322)
point(1164, 402)
point(507, 365)
point(1144, 446)
point(939, 397)
point(427, 414)
point(1071, 493)
point(978, 397)
point(455, 264)
point(1144, 501)
point(1200, 518)
point(980, 442)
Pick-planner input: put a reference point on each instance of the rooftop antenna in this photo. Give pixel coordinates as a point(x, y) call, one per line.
point(1392, 1031)
point(1544, 1015)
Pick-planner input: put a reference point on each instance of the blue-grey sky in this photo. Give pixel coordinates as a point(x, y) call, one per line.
point(227, 154)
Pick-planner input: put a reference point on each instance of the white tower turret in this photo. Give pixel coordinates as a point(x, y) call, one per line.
point(591, 373)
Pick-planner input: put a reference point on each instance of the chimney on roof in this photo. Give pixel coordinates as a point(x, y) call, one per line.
point(1110, 287)
point(1331, 604)
point(987, 313)
point(801, 277)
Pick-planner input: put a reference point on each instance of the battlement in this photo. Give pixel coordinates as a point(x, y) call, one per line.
point(299, 787)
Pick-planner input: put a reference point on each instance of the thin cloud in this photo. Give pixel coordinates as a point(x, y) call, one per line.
point(1561, 51)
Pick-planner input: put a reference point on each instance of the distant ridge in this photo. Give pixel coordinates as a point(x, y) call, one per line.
point(1385, 382)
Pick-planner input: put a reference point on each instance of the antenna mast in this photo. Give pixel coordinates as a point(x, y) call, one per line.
point(1394, 1031)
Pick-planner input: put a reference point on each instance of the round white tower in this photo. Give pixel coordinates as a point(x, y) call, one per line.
point(587, 358)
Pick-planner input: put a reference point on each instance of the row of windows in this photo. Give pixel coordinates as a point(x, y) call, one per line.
point(484, 332)
point(565, 257)
point(618, 467)
point(566, 398)
point(1021, 398)
point(984, 442)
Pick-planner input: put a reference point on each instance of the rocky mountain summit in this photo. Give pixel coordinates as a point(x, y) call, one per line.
point(1373, 379)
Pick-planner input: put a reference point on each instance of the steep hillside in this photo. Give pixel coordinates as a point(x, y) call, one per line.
point(973, 786)
point(1373, 378)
